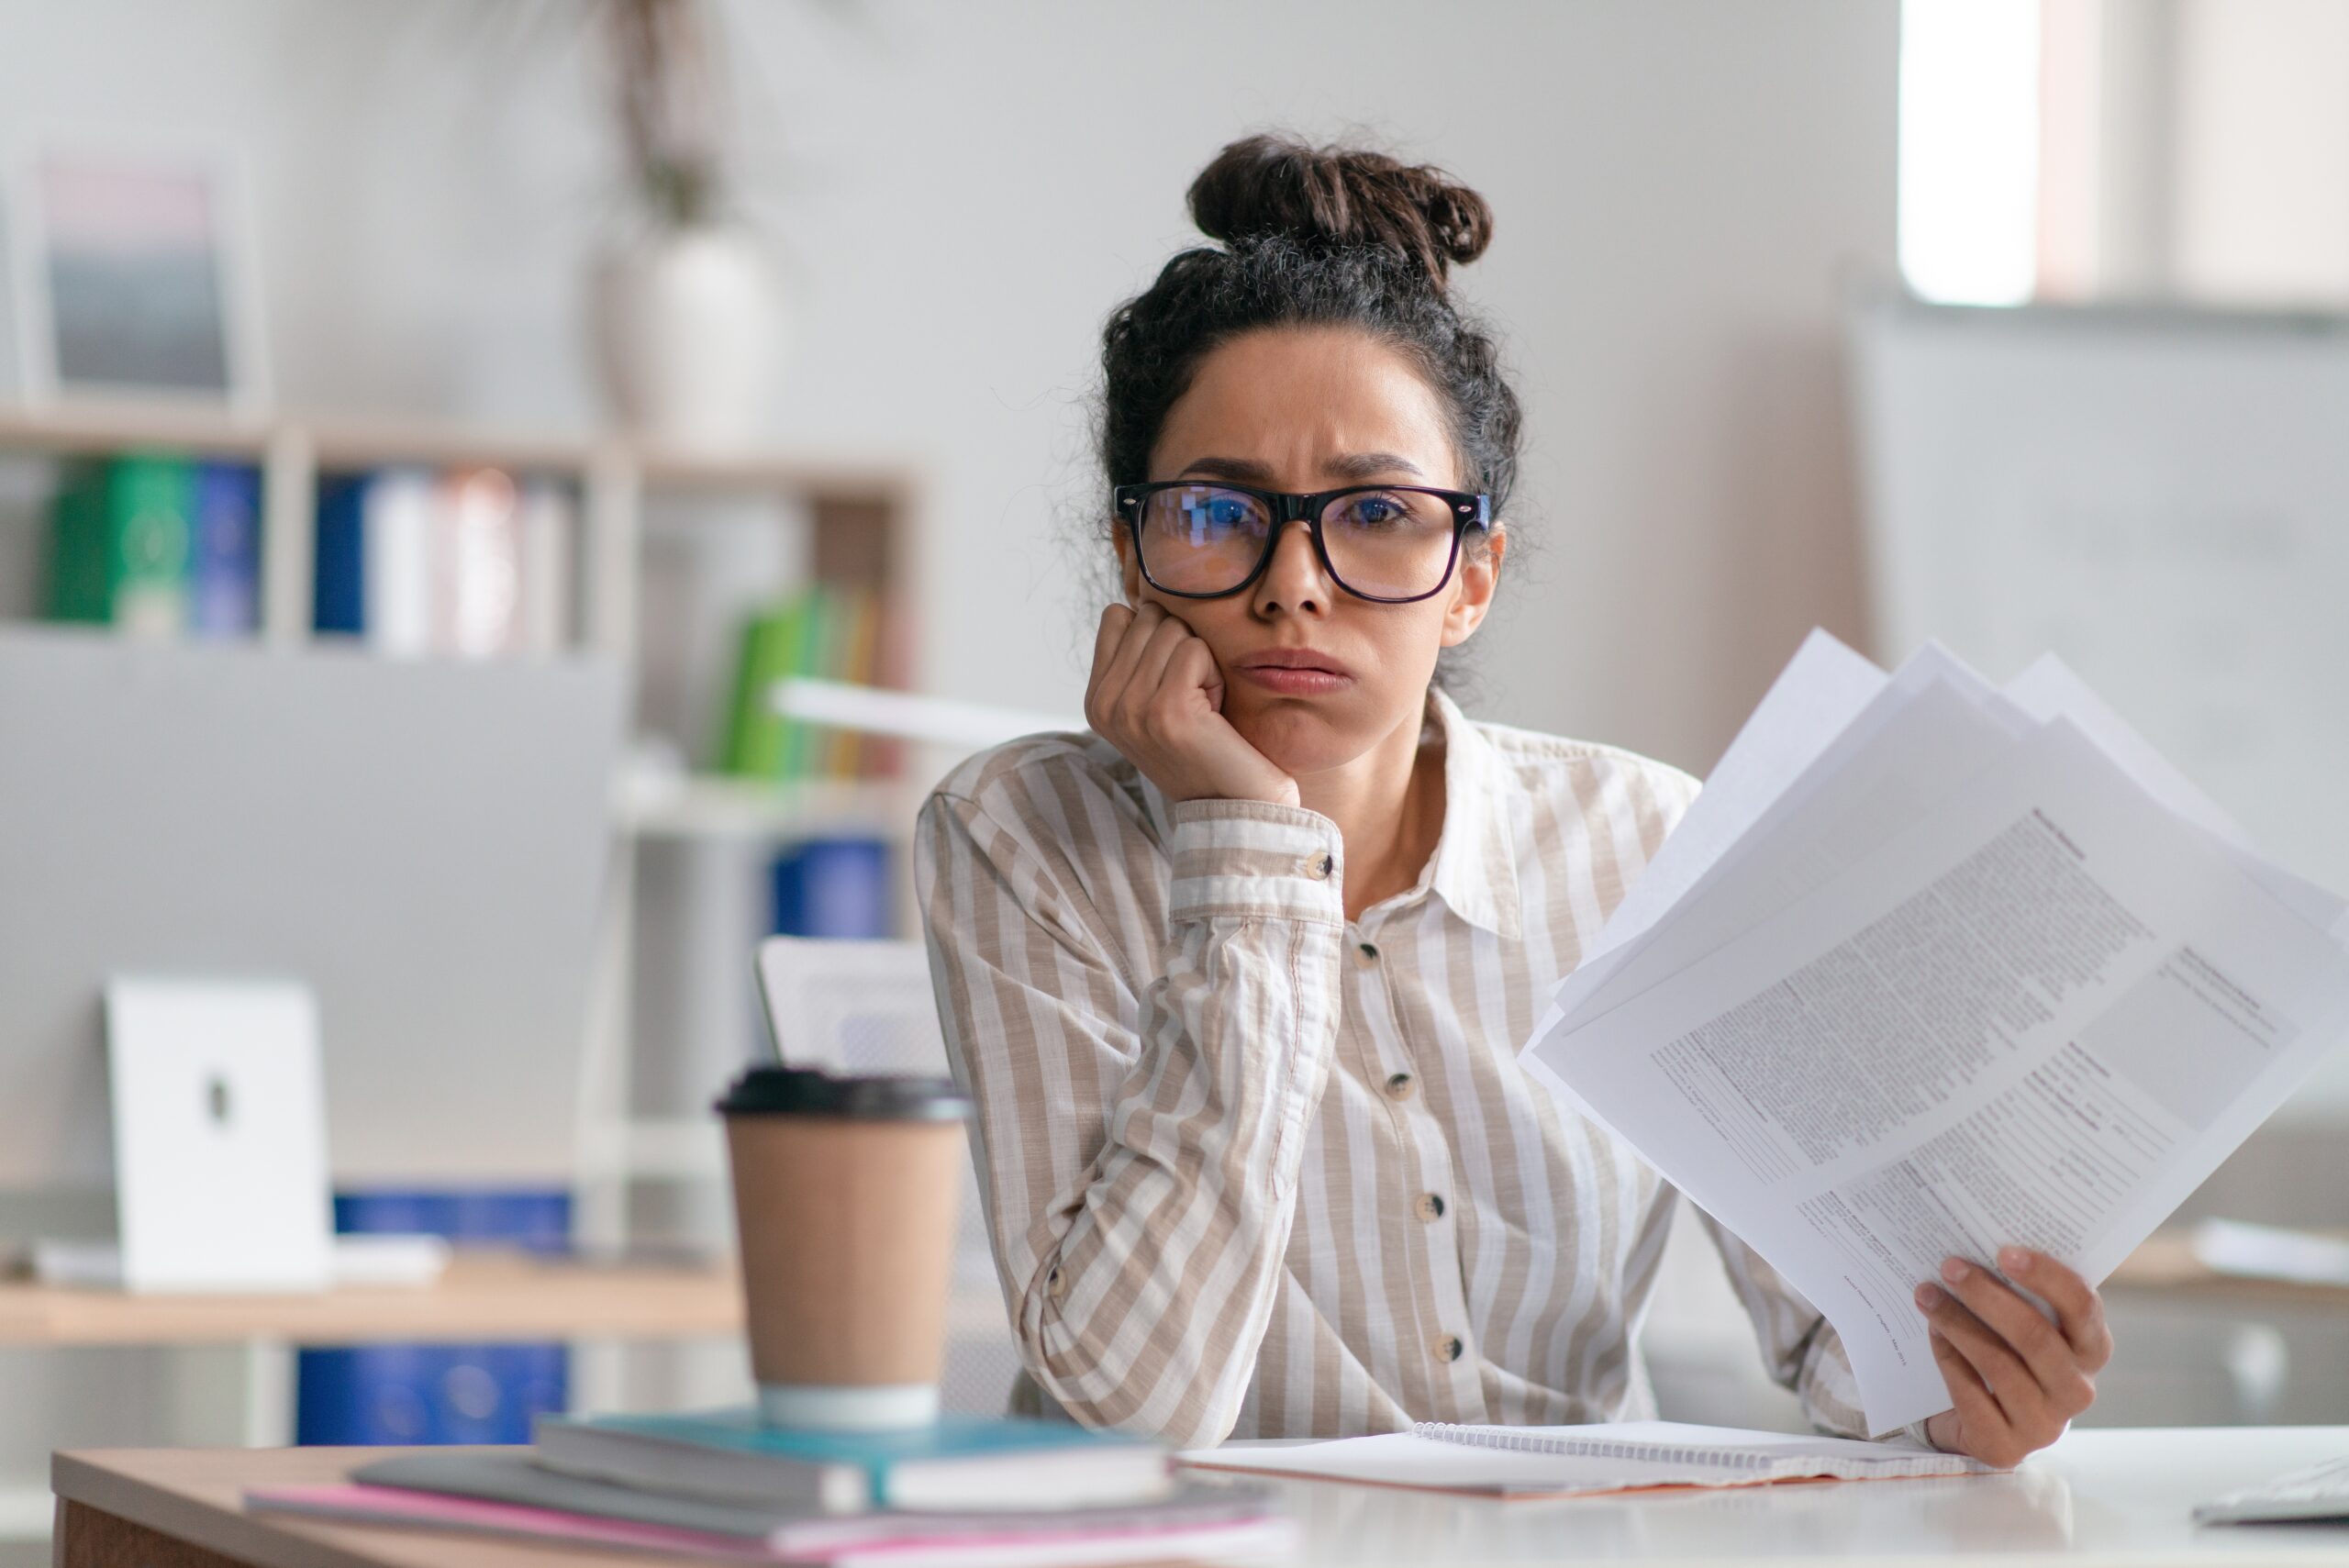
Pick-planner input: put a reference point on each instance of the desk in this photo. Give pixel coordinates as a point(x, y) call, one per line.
point(2165, 1266)
point(483, 1296)
point(2106, 1496)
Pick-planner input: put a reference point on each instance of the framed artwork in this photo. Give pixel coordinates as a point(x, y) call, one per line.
point(134, 277)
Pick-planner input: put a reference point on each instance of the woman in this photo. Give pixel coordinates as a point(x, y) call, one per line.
point(1238, 980)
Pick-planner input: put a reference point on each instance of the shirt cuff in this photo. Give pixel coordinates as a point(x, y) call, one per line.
point(1254, 860)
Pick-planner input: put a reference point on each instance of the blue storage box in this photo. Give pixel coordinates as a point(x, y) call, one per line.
point(834, 888)
point(438, 1393)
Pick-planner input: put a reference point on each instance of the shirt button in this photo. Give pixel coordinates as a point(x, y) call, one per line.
point(1430, 1206)
point(1449, 1349)
point(1365, 953)
point(1318, 867)
point(1401, 1086)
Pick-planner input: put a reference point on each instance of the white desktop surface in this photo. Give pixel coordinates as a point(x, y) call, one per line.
point(2104, 1495)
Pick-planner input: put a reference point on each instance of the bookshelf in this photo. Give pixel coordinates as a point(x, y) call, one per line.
point(859, 512)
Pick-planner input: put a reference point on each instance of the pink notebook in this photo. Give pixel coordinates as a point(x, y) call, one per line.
point(355, 1504)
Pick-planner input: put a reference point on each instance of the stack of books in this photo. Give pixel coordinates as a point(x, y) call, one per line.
point(833, 632)
point(962, 1493)
point(468, 563)
point(157, 546)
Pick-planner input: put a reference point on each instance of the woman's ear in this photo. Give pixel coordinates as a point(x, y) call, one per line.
point(1474, 583)
point(1128, 567)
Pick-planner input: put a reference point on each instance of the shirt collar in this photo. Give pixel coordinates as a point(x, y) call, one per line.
point(1476, 854)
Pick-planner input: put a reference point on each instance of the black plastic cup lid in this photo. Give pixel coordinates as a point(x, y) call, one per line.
point(805, 1091)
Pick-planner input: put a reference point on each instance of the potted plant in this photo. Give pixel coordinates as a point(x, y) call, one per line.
point(689, 313)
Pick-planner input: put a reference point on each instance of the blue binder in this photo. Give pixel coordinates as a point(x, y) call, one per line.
point(438, 1393)
point(834, 888)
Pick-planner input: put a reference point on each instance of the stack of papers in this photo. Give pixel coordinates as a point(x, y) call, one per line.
point(1929, 969)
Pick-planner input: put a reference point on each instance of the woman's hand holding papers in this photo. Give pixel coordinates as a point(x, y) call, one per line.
point(2015, 1379)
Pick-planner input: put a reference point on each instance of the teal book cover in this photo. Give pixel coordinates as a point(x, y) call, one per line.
point(739, 1430)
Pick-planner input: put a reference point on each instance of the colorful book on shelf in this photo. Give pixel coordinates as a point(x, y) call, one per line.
point(969, 1462)
point(803, 742)
point(465, 564)
point(339, 557)
point(758, 737)
point(224, 551)
point(882, 756)
point(858, 663)
point(827, 631)
point(119, 544)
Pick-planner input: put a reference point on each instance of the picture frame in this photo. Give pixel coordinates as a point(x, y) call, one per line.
point(133, 274)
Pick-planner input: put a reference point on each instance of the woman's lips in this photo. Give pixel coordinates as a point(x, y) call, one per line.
point(1296, 680)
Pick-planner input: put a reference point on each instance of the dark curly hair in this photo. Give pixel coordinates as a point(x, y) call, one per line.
point(1316, 236)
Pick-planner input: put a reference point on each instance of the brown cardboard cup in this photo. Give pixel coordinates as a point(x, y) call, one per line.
point(844, 1197)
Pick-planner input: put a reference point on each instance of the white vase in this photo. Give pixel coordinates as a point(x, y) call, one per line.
point(689, 328)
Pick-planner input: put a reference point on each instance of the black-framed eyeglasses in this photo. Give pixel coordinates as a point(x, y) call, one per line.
point(1391, 543)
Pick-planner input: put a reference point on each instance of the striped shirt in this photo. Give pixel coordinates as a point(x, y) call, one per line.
point(1253, 1169)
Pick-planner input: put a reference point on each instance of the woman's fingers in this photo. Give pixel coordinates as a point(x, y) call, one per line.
point(2078, 1308)
point(2002, 1371)
point(2027, 1332)
point(1193, 666)
point(1147, 691)
point(1988, 1436)
point(1109, 634)
point(1115, 648)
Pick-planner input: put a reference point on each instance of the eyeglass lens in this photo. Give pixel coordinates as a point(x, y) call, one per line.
point(1386, 544)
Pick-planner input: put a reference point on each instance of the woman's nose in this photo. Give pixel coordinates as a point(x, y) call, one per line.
point(1293, 579)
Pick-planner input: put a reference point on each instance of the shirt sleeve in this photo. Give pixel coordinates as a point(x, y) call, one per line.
point(1138, 1138)
point(1800, 1347)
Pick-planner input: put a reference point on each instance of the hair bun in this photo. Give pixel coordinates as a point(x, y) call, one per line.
point(1337, 195)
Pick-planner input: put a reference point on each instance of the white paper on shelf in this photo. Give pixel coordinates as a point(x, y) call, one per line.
point(2271, 1252)
point(2041, 1016)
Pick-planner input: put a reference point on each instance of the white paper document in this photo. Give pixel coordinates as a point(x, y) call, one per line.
point(1571, 1462)
point(1979, 973)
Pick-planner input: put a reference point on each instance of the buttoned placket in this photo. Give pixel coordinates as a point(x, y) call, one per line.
point(1433, 1211)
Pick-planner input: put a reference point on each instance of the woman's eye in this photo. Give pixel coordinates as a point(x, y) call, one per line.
point(1372, 511)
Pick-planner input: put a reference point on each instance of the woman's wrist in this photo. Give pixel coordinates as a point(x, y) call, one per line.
point(1254, 859)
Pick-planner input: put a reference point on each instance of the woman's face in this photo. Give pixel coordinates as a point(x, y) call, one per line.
point(1306, 409)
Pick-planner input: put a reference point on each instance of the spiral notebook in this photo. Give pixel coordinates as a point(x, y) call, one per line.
point(1570, 1461)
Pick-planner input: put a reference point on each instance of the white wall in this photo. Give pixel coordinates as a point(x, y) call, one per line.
point(2261, 147)
point(964, 192)
point(2222, 150)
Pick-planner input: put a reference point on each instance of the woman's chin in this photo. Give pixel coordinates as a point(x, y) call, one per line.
point(1301, 743)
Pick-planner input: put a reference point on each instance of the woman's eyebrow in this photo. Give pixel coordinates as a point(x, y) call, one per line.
point(1350, 467)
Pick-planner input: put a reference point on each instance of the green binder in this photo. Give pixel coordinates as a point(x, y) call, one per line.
point(119, 532)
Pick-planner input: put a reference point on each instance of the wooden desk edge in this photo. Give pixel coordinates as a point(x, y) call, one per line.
point(2165, 1266)
point(83, 1480)
point(483, 1298)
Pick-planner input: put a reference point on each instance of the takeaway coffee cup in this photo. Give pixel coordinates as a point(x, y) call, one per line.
point(844, 1196)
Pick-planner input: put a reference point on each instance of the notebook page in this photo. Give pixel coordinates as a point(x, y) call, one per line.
point(1685, 1456)
point(1734, 1454)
